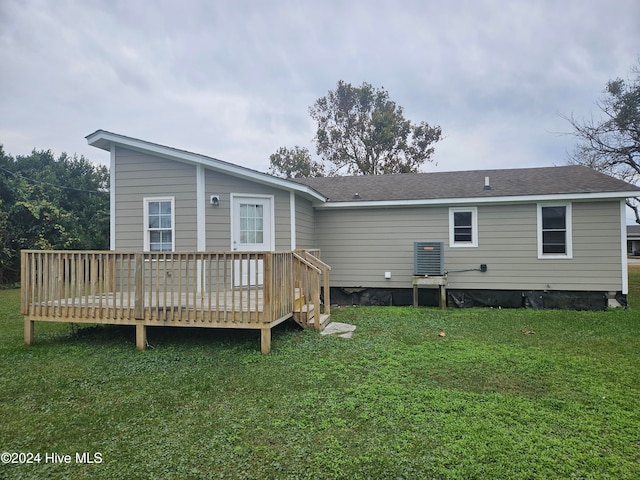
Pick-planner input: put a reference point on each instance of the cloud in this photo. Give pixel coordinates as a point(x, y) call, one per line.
point(235, 79)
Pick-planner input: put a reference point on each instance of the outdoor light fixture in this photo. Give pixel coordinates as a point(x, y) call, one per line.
point(214, 200)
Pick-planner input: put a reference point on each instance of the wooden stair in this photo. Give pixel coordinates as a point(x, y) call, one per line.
point(311, 276)
point(304, 314)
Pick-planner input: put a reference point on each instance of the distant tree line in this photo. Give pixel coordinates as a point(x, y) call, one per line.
point(50, 203)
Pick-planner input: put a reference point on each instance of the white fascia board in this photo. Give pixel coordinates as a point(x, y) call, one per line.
point(477, 200)
point(102, 139)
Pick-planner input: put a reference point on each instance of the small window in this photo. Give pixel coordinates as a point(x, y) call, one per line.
point(554, 231)
point(159, 224)
point(463, 227)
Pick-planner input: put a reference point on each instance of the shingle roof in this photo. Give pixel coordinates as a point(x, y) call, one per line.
point(570, 179)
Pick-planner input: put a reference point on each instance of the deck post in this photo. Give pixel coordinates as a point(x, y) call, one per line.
point(28, 330)
point(141, 336)
point(265, 340)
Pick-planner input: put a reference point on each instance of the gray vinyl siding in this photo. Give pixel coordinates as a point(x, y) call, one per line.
point(140, 175)
point(305, 224)
point(362, 244)
point(218, 230)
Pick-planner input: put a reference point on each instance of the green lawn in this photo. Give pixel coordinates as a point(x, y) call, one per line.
point(396, 401)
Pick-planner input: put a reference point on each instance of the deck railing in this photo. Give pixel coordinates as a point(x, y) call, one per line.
point(313, 257)
point(168, 287)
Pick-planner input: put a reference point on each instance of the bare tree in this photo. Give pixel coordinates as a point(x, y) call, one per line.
point(611, 144)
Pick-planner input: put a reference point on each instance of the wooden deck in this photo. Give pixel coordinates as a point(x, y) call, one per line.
point(256, 290)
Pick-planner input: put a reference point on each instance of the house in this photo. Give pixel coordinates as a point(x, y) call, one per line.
point(198, 242)
point(633, 240)
point(544, 237)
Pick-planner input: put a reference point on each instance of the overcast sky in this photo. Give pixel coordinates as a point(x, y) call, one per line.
point(234, 79)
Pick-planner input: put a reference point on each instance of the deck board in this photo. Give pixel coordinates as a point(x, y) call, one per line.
point(231, 301)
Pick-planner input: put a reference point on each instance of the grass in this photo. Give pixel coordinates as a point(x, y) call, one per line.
point(396, 401)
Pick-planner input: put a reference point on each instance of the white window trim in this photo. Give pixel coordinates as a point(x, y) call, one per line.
point(145, 221)
point(474, 228)
point(569, 232)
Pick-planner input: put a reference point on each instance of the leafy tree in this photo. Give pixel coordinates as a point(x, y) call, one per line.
point(611, 144)
point(361, 131)
point(48, 203)
point(295, 162)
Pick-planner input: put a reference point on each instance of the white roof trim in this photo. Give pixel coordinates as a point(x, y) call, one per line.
point(103, 140)
point(477, 200)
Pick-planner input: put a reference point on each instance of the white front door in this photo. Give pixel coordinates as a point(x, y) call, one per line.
point(251, 231)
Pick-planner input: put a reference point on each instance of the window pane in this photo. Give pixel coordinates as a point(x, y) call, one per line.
point(160, 224)
point(553, 242)
point(463, 227)
point(553, 248)
point(165, 208)
point(462, 219)
point(165, 221)
point(553, 218)
point(462, 234)
point(554, 230)
point(251, 223)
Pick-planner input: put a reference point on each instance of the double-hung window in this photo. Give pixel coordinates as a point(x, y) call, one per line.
point(463, 227)
point(554, 231)
point(159, 220)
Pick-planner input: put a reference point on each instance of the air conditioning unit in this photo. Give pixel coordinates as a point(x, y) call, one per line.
point(428, 258)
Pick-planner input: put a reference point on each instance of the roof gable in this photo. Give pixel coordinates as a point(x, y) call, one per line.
point(104, 140)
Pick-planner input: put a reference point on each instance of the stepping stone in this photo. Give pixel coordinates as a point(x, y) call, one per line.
point(344, 330)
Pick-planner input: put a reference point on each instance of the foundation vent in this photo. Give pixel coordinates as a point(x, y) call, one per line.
point(428, 258)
